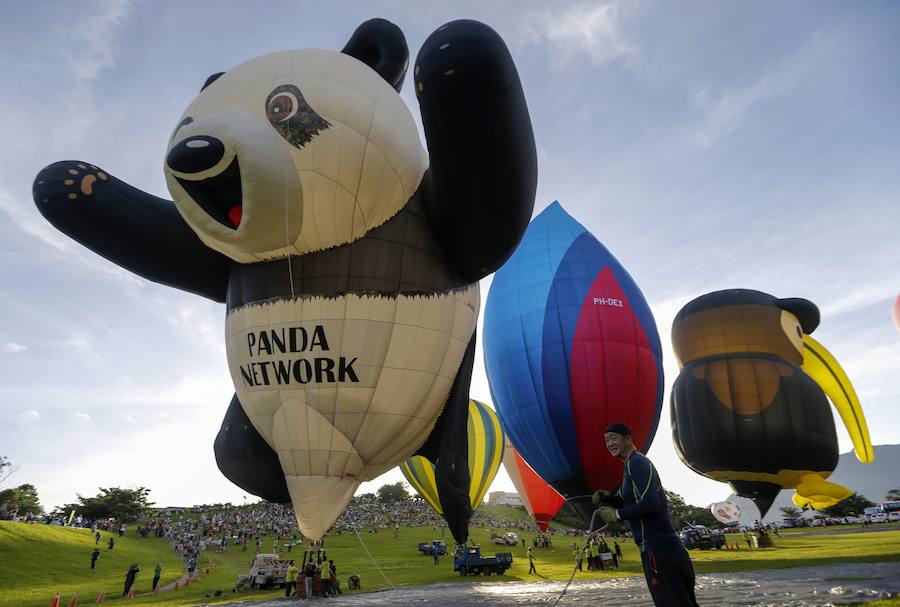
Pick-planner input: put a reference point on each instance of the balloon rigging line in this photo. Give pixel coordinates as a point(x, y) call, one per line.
point(366, 548)
point(287, 239)
point(361, 541)
point(587, 538)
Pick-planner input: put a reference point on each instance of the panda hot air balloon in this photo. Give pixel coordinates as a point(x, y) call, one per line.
point(570, 346)
point(749, 407)
point(485, 440)
point(305, 202)
point(540, 499)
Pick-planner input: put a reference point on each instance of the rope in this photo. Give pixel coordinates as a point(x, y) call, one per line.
point(587, 537)
point(361, 541)
point(287, 240)
point(366, 548)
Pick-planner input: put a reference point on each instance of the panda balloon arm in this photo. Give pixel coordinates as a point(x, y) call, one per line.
point(480, 186)
point(448, 447)
point(246, 459)
point(135, 230)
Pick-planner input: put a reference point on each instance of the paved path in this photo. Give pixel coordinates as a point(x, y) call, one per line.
point(800, 587)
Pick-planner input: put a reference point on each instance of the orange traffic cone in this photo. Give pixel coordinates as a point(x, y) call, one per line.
point(73, 602)
point(187, 582)
point(55, 601)
point(176, 585)
point(100, 597)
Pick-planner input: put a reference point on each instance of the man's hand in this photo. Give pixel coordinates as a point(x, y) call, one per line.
point(602, 497)
point(608, 514)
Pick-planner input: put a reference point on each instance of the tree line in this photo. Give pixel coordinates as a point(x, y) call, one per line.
point(129, 504)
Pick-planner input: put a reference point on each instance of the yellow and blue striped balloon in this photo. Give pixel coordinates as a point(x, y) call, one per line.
point(485, 454)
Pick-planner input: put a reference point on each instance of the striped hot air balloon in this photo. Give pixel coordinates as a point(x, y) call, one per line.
point(571, 346)
point(540, 499)
point(485, 454)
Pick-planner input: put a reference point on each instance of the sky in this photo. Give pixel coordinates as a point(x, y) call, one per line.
point(707, 145)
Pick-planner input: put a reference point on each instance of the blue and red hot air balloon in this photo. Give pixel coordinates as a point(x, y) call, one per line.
point(571, 346)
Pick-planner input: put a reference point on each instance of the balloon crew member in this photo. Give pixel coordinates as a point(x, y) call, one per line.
point(310, 573)
point(332, 577)
point(290, 579)
point(641, 501)
point(157, 573)
point(94, 556)
point(531, 568)
point(129, 578)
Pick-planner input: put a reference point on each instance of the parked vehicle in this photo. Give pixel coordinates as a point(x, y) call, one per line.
point(893, 517)
point(879, 517)
point(852, 520)
point(508, 539)
point(439, 546)
point(704, 538)
point(468, 561)
point(267, 570)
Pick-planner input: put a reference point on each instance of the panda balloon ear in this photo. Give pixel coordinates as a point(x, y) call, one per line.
point(381, 45)
point(211, 79)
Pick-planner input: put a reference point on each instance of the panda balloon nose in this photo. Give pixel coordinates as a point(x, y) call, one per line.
point(196, 154)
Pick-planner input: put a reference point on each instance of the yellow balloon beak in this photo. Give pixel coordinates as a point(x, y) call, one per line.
point(815, 492)
point(819, 364)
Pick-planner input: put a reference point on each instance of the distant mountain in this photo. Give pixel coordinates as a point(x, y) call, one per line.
point(871, 480)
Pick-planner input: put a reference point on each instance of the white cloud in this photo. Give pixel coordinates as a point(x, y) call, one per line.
point(859, 296)
point(583, 29)
point(11, 348)
point(724, 112)
point(725, 109)
point(590, 29)
point(29, 417)
point(94, 32)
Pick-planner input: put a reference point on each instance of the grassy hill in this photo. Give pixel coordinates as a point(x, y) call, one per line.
point(36, 561)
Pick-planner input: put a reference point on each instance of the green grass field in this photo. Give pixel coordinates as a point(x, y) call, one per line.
point(36, 561)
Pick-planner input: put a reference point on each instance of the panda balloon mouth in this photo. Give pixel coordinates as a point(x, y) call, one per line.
point(220, 196)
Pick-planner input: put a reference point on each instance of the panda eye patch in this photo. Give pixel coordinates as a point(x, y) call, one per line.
point(293, 118)
point(281, 107)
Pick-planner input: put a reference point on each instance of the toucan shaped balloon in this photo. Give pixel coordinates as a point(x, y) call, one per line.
point(540, 499)
point(749, 407)
point(485, 438)
point(348, 258)
point(570, 346)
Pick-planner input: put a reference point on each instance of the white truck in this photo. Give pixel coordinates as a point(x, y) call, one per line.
point(268, 570)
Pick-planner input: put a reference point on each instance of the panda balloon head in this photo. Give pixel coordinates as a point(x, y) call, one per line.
point(293, 152)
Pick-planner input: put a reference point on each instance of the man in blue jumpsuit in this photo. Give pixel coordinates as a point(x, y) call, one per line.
point(642, 502)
